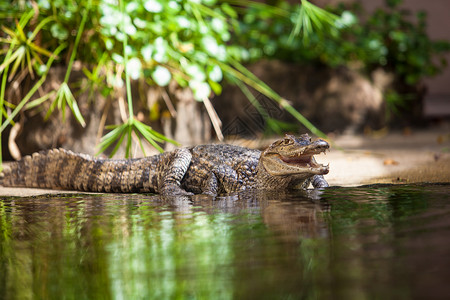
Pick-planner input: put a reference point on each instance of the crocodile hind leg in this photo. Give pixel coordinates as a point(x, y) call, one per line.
point(173, 169)
point(222, 179)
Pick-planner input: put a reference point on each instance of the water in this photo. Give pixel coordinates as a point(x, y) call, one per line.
point(379, 242)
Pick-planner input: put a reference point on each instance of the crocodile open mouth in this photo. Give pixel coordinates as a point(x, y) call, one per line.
point(305, 161)
point(305, 158)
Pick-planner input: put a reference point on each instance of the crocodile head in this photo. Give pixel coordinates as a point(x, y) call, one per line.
point(290, 161)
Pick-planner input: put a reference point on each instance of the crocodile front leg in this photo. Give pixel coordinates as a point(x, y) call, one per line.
point(173, 169)
point(319, 182)
point(222, 178)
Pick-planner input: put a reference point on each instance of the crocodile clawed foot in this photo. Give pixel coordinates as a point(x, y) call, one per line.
point(174, 190)
point(209, 193)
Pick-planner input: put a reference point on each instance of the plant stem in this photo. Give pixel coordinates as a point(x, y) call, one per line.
point(77, 41)
point(125, 61)
point(2, 100)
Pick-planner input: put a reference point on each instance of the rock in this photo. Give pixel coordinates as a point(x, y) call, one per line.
point(332, 99)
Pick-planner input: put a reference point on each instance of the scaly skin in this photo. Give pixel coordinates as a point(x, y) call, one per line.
point(208, 169)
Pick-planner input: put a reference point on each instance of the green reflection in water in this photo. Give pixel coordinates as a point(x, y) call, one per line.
point(133, 247)
point(346, 243)
point(174, 255)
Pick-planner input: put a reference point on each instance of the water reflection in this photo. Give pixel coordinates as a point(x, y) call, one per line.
point(350, 243)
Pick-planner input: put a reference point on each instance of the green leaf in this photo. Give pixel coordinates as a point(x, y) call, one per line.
point(19, 56)
point(195, 72)
point(128, 146)
point(229, 10)
point(134, 67)
point(110, 138)
point(136, 132)
point(216, 87)
point(153, 6)
point(119, 143)
point(147, 52)
point(64, 96)
point(39, 101)
point(147, 134)
point(152, 133)
point(161, 76)
point(59, 32)
point(77, 113)
point(209, 43)
point(201, 89)
point(215, 73)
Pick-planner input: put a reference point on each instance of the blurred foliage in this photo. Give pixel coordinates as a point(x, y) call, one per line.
point(187, 41)
point(390, 38)
point(198, 44)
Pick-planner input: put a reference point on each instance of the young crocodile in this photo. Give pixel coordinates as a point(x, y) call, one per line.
point(208, 169)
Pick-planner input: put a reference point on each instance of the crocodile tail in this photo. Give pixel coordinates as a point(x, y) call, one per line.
point(64, 169)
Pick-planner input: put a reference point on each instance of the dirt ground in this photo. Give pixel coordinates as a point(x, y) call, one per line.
point(422, 156)
point(381, 157)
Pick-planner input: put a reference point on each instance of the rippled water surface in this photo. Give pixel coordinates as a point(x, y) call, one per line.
point(379, 242)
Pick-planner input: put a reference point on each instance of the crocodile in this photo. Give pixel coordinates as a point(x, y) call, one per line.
point(211, 169)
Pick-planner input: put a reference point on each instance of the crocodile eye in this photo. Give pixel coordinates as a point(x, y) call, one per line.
point(305, 137)
point(287, 141)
